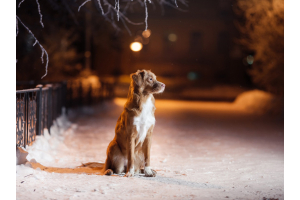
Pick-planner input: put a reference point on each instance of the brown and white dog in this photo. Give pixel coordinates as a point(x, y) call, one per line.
point(129, 151)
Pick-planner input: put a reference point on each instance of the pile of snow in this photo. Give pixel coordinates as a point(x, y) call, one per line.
point(21, 155)
point(46, 148)
point(259, 102)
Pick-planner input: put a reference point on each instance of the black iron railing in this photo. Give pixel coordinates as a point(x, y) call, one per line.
point(37, 108)
point(26, 116)
point(79, 95)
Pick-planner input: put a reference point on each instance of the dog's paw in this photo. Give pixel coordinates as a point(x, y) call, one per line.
point(108, 172)
point(128, 174)
point(150, 172)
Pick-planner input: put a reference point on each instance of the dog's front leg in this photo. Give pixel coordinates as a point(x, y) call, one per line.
point(130, 154)
point(146, 150)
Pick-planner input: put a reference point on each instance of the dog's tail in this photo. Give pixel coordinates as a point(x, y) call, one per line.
point(104, 167)
point(93, 165)
point(107, 166)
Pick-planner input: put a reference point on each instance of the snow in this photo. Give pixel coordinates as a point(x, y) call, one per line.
point(259, 102)
point(48, 149)
point(200, 150)
point(21, 155)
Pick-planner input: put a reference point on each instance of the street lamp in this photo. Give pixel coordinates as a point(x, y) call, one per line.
point(136, 46)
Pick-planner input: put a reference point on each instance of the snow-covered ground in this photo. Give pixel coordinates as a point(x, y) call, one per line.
point(201, 150)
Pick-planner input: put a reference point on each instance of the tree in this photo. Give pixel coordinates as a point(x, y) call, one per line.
point(262, 30)
point(111, 10)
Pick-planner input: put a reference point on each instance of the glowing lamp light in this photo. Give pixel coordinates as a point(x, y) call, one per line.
point(136, 46)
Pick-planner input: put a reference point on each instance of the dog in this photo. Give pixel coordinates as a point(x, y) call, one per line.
point(129, 151)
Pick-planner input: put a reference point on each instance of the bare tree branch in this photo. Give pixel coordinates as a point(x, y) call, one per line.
point(70, 11)
point(41, 16)
point(108, 16)
point(116, 9)
point(146, 14)
point(17, 27)
point(41, 47)
point(83, 4)
point(126, 27)
point(20, 3)
point(100, 6)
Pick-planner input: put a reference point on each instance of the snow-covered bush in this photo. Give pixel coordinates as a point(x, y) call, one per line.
point(262, 32)
point(259, 102)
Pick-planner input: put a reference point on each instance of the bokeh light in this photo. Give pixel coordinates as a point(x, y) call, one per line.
point(172, 37)
point(146, 33)
point(250, 60)
point(192, 76)
point(136, 46)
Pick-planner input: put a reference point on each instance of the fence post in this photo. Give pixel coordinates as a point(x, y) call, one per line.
point(54, 103)
point(49, 107)
point(57, 108)
point(26, 119)
point(39, 110)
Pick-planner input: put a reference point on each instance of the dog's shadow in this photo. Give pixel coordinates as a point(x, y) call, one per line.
point(94, 168)
point(176, 181)
point(91, 168)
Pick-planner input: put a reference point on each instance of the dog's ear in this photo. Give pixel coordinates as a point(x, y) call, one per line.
point(134, 77)
point(138, 77)
point(142, 74)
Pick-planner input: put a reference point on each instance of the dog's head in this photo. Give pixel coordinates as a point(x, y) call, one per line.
point(145, 81)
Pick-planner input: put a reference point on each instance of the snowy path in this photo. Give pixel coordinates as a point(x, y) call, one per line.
point(200, 151)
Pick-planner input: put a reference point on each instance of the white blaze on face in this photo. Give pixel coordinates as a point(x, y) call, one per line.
point(161, 90)
point(144, 121)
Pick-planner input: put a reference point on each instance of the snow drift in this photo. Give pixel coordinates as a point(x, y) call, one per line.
point(259, 102)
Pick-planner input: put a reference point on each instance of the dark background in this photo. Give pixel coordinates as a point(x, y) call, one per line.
point(205, 62)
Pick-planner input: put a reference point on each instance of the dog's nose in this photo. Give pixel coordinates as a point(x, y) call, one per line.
point(162, 85)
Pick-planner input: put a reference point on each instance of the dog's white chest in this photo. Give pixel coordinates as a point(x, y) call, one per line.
point(144, 121)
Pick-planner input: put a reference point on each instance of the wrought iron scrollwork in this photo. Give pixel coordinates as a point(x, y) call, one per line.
point(20, 119)
point(31, 118)
point(36, 109)
point(44, 120)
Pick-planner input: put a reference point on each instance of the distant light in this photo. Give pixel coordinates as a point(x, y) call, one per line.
point(136, 46)
point(87, 54)
point(146, 33)
point(172, 37)
point(250, 60)
point(192, 76)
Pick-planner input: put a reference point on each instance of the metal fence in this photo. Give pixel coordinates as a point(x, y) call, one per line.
point(37, 108)
point(79, 94)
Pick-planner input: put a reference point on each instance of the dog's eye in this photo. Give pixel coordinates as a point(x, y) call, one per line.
point(150, 79)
